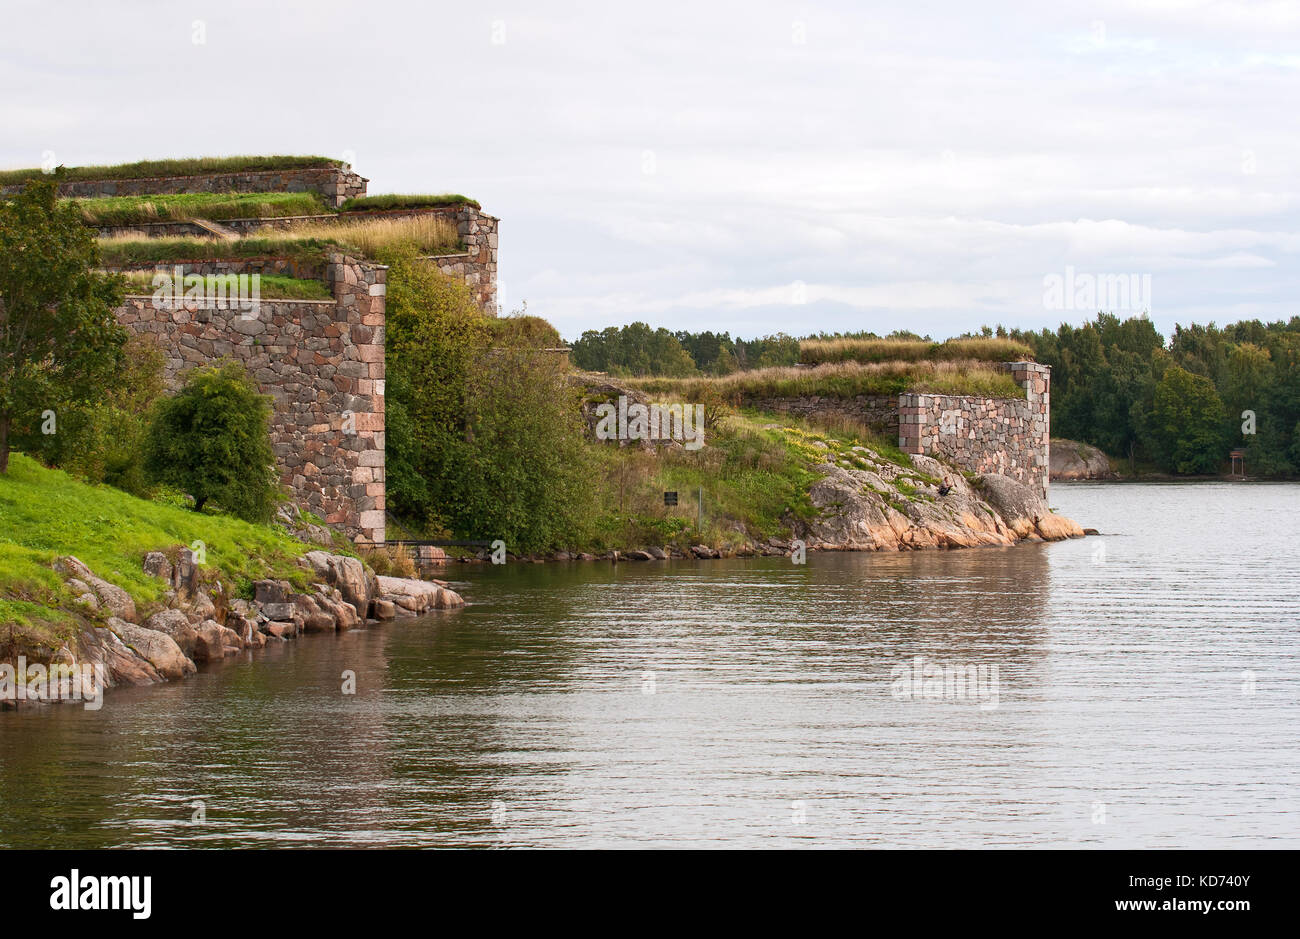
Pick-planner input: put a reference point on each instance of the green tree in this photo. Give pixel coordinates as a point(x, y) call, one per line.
point(103, 441)
point(211, 440)
point(1189, 418)
point(59, 340)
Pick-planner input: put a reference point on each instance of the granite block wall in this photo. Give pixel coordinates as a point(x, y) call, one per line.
point(322, 363)
point(1009, 436)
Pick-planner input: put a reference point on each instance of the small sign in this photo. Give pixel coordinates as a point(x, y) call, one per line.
point(670, 498)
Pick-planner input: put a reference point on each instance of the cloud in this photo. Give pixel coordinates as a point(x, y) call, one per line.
point(684, 164)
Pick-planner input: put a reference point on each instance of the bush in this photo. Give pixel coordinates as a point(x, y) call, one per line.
point(102, 441)
point(211, 441)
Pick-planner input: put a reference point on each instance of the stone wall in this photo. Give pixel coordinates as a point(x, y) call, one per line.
point(322, 363)
point(1008, 436)
point(334, 184)
point(879, 412)
point(476, 266)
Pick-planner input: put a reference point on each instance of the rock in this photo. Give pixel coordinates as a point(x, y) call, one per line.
point(417, 596)
point(1070, 459)
point(1024, 510)
point(271, 591)
point(639, 556)
point(345, 573)
point(176, 624)
point(659, 554)
point(280, 611)
point(158, 648)
point(864, 510)
point(385, 609)
point(110, 596)
point(122, 665)
point(245, 627)
point(703, 552)
point(185, 575)
point(210, 642)
point(280, 630)
point(157, 565)
point(202, 606)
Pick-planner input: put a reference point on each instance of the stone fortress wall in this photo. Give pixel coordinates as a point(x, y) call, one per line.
point(320, 361)
point(1008, 436)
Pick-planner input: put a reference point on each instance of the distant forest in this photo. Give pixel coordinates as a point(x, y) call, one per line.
point(1176, 406)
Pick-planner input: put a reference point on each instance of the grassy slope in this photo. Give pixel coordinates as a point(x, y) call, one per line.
point(45, 513)
point(755, 473)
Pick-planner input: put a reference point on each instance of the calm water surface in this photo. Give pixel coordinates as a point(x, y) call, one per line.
point(1148, 695)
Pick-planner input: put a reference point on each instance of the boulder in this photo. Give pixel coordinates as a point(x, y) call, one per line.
point(158, 648)
point(271, 591)
point(1071, 459)
point(639, 556)
point(176, 624)
point(417, 596)
point(157, 565)
point(122, 665)
point(385, 609)
point(1024, 510)
point(185, 575)
point(110, 596)
point(210, 643)
point(346, 574)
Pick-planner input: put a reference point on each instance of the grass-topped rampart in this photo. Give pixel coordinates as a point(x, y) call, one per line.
point(869, 351)
point(197, 166)
point(426, 235)
point(841, 380)
point(108, 211)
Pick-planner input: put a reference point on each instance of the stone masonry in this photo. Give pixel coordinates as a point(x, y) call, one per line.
point(335, 184)
point(1008, 436)
point(322, 363)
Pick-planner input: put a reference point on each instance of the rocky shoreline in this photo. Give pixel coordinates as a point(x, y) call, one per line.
point(201, 623)
point(860, 508)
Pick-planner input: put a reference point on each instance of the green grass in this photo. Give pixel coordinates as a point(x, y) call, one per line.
point(142, 252)
point(270, 286)
point(46, 513)
point(974, 349)
point(398, 201)
point(199, 166)
point(841, 380)
point(138, 210)
point(425, 235)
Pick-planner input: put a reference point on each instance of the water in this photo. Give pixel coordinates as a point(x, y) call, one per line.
point(1147, 686)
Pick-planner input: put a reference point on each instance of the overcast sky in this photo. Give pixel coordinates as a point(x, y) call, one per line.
point(749, 167)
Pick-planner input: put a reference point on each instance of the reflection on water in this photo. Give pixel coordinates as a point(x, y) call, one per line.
point(1147, 697)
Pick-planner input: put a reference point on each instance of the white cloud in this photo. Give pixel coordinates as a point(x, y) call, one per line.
point(914, 167)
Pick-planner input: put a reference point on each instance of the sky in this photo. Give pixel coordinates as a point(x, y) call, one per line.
point(744, 167)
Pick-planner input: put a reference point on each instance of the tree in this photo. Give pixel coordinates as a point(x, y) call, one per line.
point(211, 441)
point(59, 340)
point(1189, 420)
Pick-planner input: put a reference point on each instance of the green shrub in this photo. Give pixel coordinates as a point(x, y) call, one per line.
point(211, 441)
